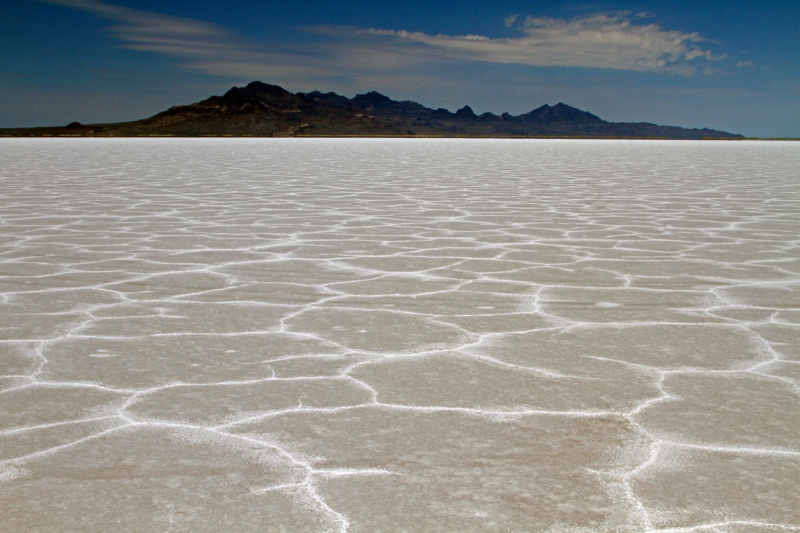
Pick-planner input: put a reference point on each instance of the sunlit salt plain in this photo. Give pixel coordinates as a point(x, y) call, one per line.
point(337, 335)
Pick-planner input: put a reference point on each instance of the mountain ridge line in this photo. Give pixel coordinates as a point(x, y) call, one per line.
point(263, 110)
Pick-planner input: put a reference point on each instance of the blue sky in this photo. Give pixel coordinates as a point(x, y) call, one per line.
point(732, 65)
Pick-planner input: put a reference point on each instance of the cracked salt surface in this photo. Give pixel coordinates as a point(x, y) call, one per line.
point(399, 335)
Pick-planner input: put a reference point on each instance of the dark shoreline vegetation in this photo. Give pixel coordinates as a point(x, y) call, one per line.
point(262, 110)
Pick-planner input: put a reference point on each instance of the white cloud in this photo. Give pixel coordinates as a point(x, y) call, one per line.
point(597, 41)
point(215, 50)
point(203, 46)
point(606, 41)
point(156, 32)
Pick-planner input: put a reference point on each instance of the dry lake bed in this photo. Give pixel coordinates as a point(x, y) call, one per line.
point(300, 335)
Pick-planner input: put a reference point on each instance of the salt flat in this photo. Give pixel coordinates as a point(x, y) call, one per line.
point(399, 335)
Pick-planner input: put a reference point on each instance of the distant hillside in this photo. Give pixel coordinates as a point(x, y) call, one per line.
point(262, 110)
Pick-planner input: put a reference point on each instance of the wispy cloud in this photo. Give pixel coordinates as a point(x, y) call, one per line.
point(156, 32)
point(212, 49)
point(606, 41)
point(198, 45)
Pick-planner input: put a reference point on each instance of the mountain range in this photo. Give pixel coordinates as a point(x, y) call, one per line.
point(263, 110)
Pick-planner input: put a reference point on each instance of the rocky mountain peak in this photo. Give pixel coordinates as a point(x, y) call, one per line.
point(263, 110)
point(465, 112)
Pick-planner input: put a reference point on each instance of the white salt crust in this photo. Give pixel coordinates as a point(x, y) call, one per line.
point(399, 335)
